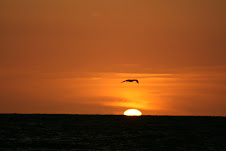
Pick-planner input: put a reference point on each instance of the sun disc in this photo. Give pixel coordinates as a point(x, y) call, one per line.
point(132, 112)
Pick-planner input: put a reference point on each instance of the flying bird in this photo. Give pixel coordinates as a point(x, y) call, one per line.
point(131, 80)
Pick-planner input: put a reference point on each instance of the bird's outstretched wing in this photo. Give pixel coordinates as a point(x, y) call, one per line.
point(137, 81)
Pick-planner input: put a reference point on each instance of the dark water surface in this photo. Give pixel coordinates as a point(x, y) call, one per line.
point(111, 132)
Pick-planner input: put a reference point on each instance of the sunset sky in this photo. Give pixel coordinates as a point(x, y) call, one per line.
point(70, 56)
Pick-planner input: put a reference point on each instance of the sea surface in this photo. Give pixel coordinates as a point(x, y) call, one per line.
point(111, 132)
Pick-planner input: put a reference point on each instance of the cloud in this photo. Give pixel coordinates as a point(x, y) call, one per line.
point(172, 93)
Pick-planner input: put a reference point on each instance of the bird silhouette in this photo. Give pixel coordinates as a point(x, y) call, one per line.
point(130, 80)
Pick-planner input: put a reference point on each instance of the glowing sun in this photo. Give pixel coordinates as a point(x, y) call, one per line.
point(132, 112)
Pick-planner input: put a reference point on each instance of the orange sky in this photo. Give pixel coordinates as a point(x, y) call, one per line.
point(70, 56)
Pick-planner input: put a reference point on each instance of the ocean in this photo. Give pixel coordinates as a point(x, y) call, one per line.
point(111, 132)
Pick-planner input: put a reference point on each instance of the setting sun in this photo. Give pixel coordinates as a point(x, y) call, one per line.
point(132, 112)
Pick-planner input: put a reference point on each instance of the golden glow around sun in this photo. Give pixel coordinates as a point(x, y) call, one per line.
point(132, 112)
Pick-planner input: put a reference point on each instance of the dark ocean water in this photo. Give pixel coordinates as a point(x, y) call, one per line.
point(111, 132)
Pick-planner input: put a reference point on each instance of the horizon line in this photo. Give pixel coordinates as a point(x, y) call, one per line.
point(107, 114)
